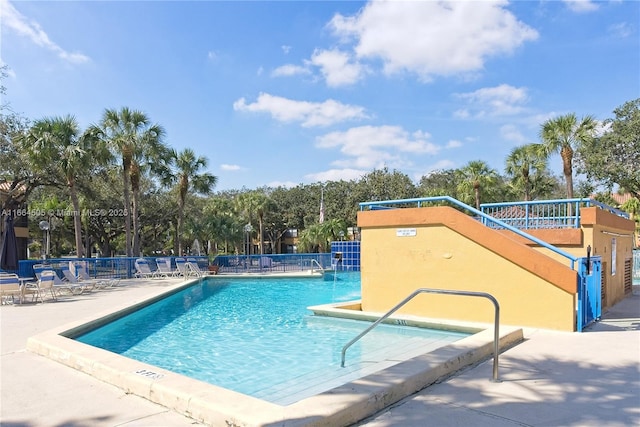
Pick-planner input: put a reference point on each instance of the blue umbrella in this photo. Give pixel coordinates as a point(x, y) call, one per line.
point(9, 248)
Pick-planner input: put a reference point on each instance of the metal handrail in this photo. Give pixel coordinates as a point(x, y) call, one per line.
point(192, 270)
point(314, 261)
point(496, 326)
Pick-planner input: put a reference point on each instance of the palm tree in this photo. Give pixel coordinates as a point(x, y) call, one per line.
point(246, 204)
point(58, 141)
point(189, 178)
point(263, 204)
point(476, 175)
point(563, 135)
point(523, 162)
point(333, 229)
point(124, 131)
point(151, 153)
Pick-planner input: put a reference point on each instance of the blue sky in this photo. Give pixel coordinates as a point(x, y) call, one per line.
point(283, 93)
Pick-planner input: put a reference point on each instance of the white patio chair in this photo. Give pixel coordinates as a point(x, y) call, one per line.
point(70, 277)
point(45, 283)
point(80, 271)
point(10, 287)
point(59, 285)
point(164, 267)
point(143, 270)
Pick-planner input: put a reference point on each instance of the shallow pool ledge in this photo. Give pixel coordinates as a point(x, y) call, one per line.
point(216, 406)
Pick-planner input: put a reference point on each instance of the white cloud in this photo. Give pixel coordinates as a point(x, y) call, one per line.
point(346, 174)
point(212, 56)
point(337, 67)
point(581, 6)
point(290, 70)
point(493, 101)
point(622, 30)
point(308, 113)
point(369, 147)
point(433, 38)
point(17, 22)
point(454, 144)
point(286, 49)
point(226, 167)
point(512, 133)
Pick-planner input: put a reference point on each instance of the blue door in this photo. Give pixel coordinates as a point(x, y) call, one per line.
point(589, 307)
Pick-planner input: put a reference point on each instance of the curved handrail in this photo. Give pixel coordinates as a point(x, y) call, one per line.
point(496, 326)
point(315, 261)
point(481, 214)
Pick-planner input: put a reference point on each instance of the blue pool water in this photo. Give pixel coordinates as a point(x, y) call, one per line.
point(256, 336)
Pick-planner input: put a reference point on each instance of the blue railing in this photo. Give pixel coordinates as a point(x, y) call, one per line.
point(543, 214)
point(272, 263)
point(121, 267)
point(485, 218)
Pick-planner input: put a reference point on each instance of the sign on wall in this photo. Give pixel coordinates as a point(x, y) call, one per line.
point(406, 232)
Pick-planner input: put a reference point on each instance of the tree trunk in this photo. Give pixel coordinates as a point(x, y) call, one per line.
point(261, 235)
point(135, 205)
point(567, 168)
point(77, 223)
point(127, 206)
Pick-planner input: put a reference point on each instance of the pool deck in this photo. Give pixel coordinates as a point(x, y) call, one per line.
point(552, 379)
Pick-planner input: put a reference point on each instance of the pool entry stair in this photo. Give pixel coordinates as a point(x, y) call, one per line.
point(551, 264)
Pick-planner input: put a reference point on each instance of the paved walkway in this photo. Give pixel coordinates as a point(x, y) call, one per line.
point(552, 379)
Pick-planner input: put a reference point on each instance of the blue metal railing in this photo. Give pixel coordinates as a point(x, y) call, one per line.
point(280, 263)
point(121, 267)
point(485, 218)
point(541, 214)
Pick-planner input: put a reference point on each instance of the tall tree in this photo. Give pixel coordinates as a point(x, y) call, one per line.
point(246, 205)
point(564, 135)
point(124, 131)
point(526, 164)
point(263, 205)
point(16, 173)
point(151, 154)
point(190, 177)
point(474, 178)
point(439, 183)
point(59, 141)
point(614, 157)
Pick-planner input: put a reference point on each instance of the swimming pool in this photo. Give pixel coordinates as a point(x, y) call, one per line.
point(257, 337)
point(343, 405)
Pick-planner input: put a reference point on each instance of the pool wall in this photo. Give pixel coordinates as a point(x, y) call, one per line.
point(212, 405)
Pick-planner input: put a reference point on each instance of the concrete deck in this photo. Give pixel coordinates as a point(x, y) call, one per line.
point(552, 379)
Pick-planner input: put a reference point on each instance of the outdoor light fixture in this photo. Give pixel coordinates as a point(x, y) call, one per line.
point(44, 226)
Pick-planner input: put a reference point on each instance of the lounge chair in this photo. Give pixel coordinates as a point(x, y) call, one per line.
point(164, 267)
point(82, 274)
point(70, 277)
point(143, 270)
point(58, 284)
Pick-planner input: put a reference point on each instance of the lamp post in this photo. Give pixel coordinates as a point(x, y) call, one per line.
point(248, 229)
point(44, 226)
